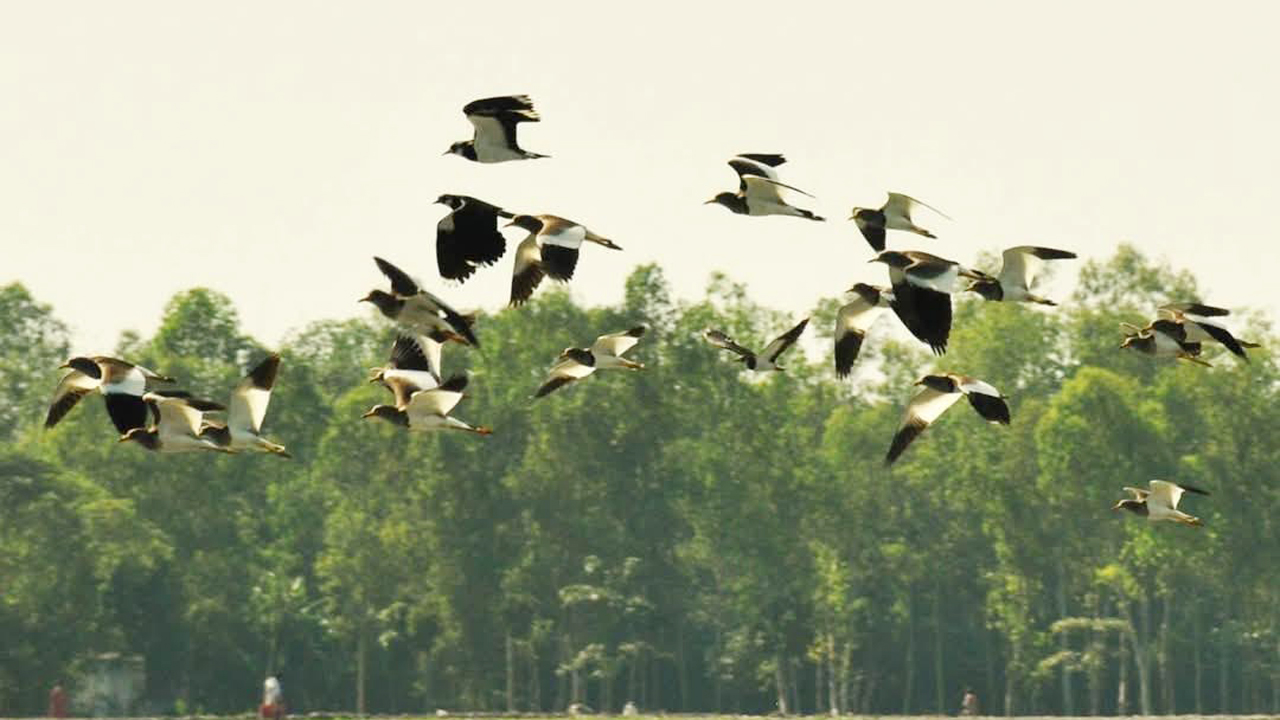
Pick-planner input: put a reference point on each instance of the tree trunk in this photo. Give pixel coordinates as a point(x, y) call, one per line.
point(361, 660)
point(1224, 705)
point(535, 681)
point(1068, 696)
point(909, 671)
point(682, 679)
point(939, 675)
point(818, 686)
point(780, 683)
point(1008, 682)
point(833, 684)
point(1162, 656)
point(511, 675)
point(1122, 688)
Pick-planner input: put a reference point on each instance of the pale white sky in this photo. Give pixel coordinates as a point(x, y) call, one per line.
point(268, 150)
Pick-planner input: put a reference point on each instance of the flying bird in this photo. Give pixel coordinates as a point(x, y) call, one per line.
point(179, 422)
point(427, 409)
point(550, 249)
point(417, 310)
point(1160, 502)
point(1162, 338)
point(468, 236)
point(122, 385)
point(922, 287)
point(766, 360)
point(495, 121)
point(941, 392)
point(854, 320)
point(249, 400)
point(895, 214)
point(1017, 273)
point(759, 188)
point(1196, 329)
point(604, 354)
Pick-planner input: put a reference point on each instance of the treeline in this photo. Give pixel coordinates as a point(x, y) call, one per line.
point(685, 537)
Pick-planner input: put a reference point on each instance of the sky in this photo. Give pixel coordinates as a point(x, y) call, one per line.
point(269, 150)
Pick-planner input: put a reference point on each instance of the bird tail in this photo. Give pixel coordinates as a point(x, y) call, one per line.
point(1191, 520)
point(921, 231)
point(1041, 300)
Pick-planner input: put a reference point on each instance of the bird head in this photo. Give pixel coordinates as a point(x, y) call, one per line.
point(1137, 507)
point(724, 198)
point(388, 413)
point(376, 374)
point(384, 301)
point(143, 436)
point(84, 365)
point(458, 148)
point(988, 288)
point(892, 258)
point(854, 213)
point(452, 201)
point(527, 222)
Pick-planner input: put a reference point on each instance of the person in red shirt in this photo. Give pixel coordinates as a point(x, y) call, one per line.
point(57, 701)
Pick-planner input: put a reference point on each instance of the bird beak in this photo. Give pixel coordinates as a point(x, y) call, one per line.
point(122, 438)
point(874, 259)
point(708, 202)
point(447, 152)
point(609, 244)
point(1117, 505)
point(513, 222)
point(368, 414)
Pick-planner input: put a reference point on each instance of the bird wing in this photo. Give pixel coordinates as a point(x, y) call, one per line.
point(456, 321)
point(925, 312)
point(417, 352)
point(724, 342)
point(561, 240)
point(1196, 309)
point(1137, 493)
point(1165, 493)
point(176, 416)
point(616, 344)
point(1203, 330)
point(436, 401)
point(249, 400)
point(764, 189)
point(401, 283)
point(926, 407)
point(784, 341)
point(901, 205)
point(1022, 263)
point(566, 370)
point(467, 237)
point(527, 271)
point(748, 165)
point(73, 386)
point(985, 399)
point(404, 383)
point(852, 323)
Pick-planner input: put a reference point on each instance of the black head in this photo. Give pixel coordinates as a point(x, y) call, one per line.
point(869, 293)
point(988, 288)
point(453, 201)
point(941, 383)
point(84, 365)
point(462, 147)
point(1137, 507)
point(147, 438)
point(528, 222)
point(388, 413)
point(893, 258)
point(729, 200)
point(582, 356)
point(386, 302)
point(1141, 343)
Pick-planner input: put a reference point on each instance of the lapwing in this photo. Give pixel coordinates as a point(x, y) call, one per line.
point(551, 249)
point(1017, 273)
point(941, 392)
point(121, 383)
point(922, 287)
point(249, 400)
point(1162, 338)
point(427, 409)
point(414, 365)
point(417, 310)
point(1159, 502)
point(759, 188)
point(895, 214)
point(604, 354)
point(767, 360)
point(179, 422)
point(468, 236)
point(1196, 329)
point(495, 121)
point(854, 320)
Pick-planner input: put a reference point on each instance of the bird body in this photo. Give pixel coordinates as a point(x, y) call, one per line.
point(468, 237)
point(550, 249)
point(494, 120)
point(122, 385)
point(895, 214)
point(854, 320)
point(1017, 274)
point(427, 409)
point(1159, 502)
point(248, 408)
point(179, 425)
point(922, 285)
point(765, 361)
point(940, 392)
point(759, 191)
point(606, 353)
point(1162, 338)
point(1194, 328)
point(417, 310)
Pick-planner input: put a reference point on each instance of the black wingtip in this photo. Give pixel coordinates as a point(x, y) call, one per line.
point(456, 383)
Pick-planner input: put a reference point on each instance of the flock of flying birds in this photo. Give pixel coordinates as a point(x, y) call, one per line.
point(145, 408)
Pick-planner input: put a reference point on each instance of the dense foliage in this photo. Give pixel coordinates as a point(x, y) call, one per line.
point(686, 537)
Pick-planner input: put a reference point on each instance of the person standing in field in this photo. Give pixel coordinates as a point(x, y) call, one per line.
point(969, 704)
point(272, 698)
point(57, 701)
